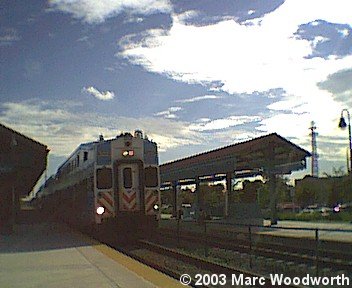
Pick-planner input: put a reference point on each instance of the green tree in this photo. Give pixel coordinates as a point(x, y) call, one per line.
point(186, 196)
point(264, 196)
point(283, 189)
point(336, 172)
point(167, 196)
point(213, 195)
point(305, 194)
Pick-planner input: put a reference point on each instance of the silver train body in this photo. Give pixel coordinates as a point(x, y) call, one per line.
point(107, 184)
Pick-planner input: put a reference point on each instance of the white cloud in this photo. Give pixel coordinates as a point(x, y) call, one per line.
point(319, 39)
point(93, 11)
point(63, 130)
point(203, 120)
point(133, 19)
point(42, 121)
point(8, 36)
point(345, 32)
point(258, 55)
point(174, 109)
point(219, 124)
point(184, 16)
point(166, 142)
point(83, 39)
point(111, 69)
point(104, 95)
point(198, 98)
point(169, 113)
point(282, 123)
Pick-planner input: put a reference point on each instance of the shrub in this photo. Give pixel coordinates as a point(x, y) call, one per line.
point(316, 216)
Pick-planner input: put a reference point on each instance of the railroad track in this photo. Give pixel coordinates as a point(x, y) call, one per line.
point(205, 265)
point(324, 259)
point(201, 265)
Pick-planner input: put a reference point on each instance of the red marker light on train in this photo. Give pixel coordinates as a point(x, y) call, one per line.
point(130, 153)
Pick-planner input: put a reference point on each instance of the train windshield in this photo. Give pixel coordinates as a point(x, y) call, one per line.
point(127, 178)
point(104, 178)
point(151, 177)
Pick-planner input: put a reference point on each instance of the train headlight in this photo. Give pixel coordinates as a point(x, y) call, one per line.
point(156, 207)
point(100, 210)
point(127, 153)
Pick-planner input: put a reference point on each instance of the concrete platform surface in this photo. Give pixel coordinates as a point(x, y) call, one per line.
point(51, 255)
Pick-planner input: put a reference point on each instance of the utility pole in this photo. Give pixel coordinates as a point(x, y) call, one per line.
point(313, 134)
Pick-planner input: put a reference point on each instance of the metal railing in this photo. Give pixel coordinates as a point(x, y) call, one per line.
point(251, 232)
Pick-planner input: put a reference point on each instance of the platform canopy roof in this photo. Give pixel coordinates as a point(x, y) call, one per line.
point(22, 161)
point(267, 154)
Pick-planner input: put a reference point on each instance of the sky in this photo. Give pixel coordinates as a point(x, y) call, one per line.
point(193, 75)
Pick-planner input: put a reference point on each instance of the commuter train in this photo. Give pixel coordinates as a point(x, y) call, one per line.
point(107, 186)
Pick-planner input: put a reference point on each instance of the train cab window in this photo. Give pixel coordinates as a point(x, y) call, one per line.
point(151, 176)
point(85, 156)
point(77, 160)
point(127, 178)
point(104, 178)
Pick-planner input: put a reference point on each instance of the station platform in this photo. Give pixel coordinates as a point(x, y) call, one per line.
point(52, 255)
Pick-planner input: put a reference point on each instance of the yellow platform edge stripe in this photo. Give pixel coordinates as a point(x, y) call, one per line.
point(156, 277)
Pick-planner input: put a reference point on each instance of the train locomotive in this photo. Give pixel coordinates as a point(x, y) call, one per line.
point(109, 188)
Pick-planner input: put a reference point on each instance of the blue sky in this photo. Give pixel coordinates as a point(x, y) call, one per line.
point(193, 75)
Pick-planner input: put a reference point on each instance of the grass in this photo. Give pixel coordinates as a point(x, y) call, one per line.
point(343, 216)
